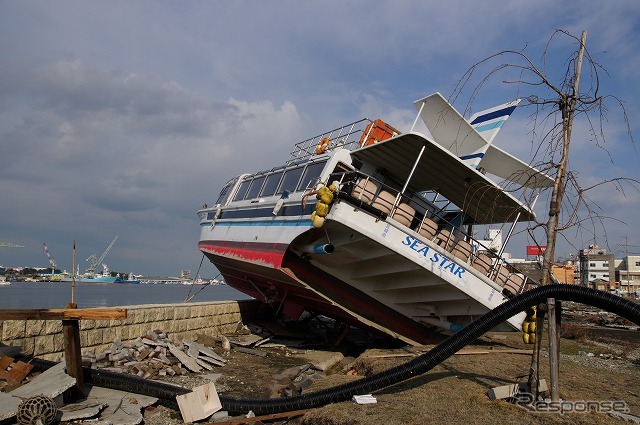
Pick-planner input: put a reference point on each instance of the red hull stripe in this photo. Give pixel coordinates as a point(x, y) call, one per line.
point(266, 253)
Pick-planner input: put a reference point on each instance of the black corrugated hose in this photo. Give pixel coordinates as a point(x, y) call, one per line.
point(612, 303)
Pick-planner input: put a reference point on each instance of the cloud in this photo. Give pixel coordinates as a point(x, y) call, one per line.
point(124, 118)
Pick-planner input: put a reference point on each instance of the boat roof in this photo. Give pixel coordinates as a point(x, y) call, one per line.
point(451, 130)
point(441, 171)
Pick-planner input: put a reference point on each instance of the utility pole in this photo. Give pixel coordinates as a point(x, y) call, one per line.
point(568, 108)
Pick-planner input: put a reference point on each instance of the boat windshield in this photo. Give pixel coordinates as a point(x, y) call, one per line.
point(226, 191)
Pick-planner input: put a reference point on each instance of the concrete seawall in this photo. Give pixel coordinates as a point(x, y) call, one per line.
point(43, 338)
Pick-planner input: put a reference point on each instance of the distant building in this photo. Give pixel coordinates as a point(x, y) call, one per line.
point(628, 274)
point(596, 265)
point(601, 284)
point(565, 273)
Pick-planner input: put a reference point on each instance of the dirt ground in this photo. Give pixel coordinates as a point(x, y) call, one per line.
point(594, 366)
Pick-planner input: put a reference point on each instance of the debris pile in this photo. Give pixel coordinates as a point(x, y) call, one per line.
point(154, 355)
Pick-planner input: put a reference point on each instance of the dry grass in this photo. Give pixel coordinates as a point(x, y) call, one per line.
point(455, 391)
point(574, 331)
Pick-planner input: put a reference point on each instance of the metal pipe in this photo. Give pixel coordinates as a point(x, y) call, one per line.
point(317, 249)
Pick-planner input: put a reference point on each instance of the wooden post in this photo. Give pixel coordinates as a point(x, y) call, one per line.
point(554, 351)
point(72, 352)
point(70, 317)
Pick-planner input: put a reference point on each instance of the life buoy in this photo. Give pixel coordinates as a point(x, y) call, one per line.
point(322, 146)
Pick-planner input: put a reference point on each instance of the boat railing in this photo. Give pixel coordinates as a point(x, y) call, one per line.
point(348, 137)
point(427, 218)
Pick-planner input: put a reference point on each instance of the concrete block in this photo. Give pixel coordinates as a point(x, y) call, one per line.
point(512, 390)
point(199, 404)
point(13, 329)
point(44, 345)
point(53, 326)
point(34, 327)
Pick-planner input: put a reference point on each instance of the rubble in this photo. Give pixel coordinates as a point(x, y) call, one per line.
point(190, 364)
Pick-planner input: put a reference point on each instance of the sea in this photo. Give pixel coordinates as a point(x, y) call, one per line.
point(37, 295)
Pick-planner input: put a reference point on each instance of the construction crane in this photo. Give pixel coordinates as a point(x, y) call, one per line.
point(10, 245)
point(51, 260)
point(94, 261)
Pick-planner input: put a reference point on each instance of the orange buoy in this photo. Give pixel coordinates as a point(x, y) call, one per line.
point(322, 146)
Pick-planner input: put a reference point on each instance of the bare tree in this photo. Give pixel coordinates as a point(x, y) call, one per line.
point(558, 105)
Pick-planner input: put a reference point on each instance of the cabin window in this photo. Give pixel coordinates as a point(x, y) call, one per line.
point(256, 185)
point(271, 184)
point(242, 190)
point(311, 175)
point(226, 191)
point(290, 180)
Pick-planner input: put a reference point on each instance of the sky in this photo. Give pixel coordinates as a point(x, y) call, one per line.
point(123, 118)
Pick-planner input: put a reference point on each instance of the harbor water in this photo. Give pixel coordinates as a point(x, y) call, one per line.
point(43, 295)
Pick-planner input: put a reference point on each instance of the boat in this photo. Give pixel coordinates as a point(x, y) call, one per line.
point(92, 278)
point(90, 275)
point(4, 281)
point(390, 244)
point(130, 279)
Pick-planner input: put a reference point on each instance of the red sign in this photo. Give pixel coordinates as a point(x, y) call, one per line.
point(536, 249)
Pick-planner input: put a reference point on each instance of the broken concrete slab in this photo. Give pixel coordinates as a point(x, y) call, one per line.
point(211, 361)
point(203, 364)
point(244, 340)
point(51, 383)
point(512, 390)
point(197, 350)
point(123, 408)
point(82, 410)
point(322, 360)
point(8, 406)
point(251, 351)
point(188, 362)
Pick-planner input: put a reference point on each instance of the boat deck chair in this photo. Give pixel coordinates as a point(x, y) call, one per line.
point(482, 263)
point(514, 285)
point(428, 228)
point(384, 201)
point(462, 250)
point(445, 239)
point(404, 214)
point(365, 190)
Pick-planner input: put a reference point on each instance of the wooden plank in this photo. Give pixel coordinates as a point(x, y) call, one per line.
point(64, 314)
point(272, 416)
